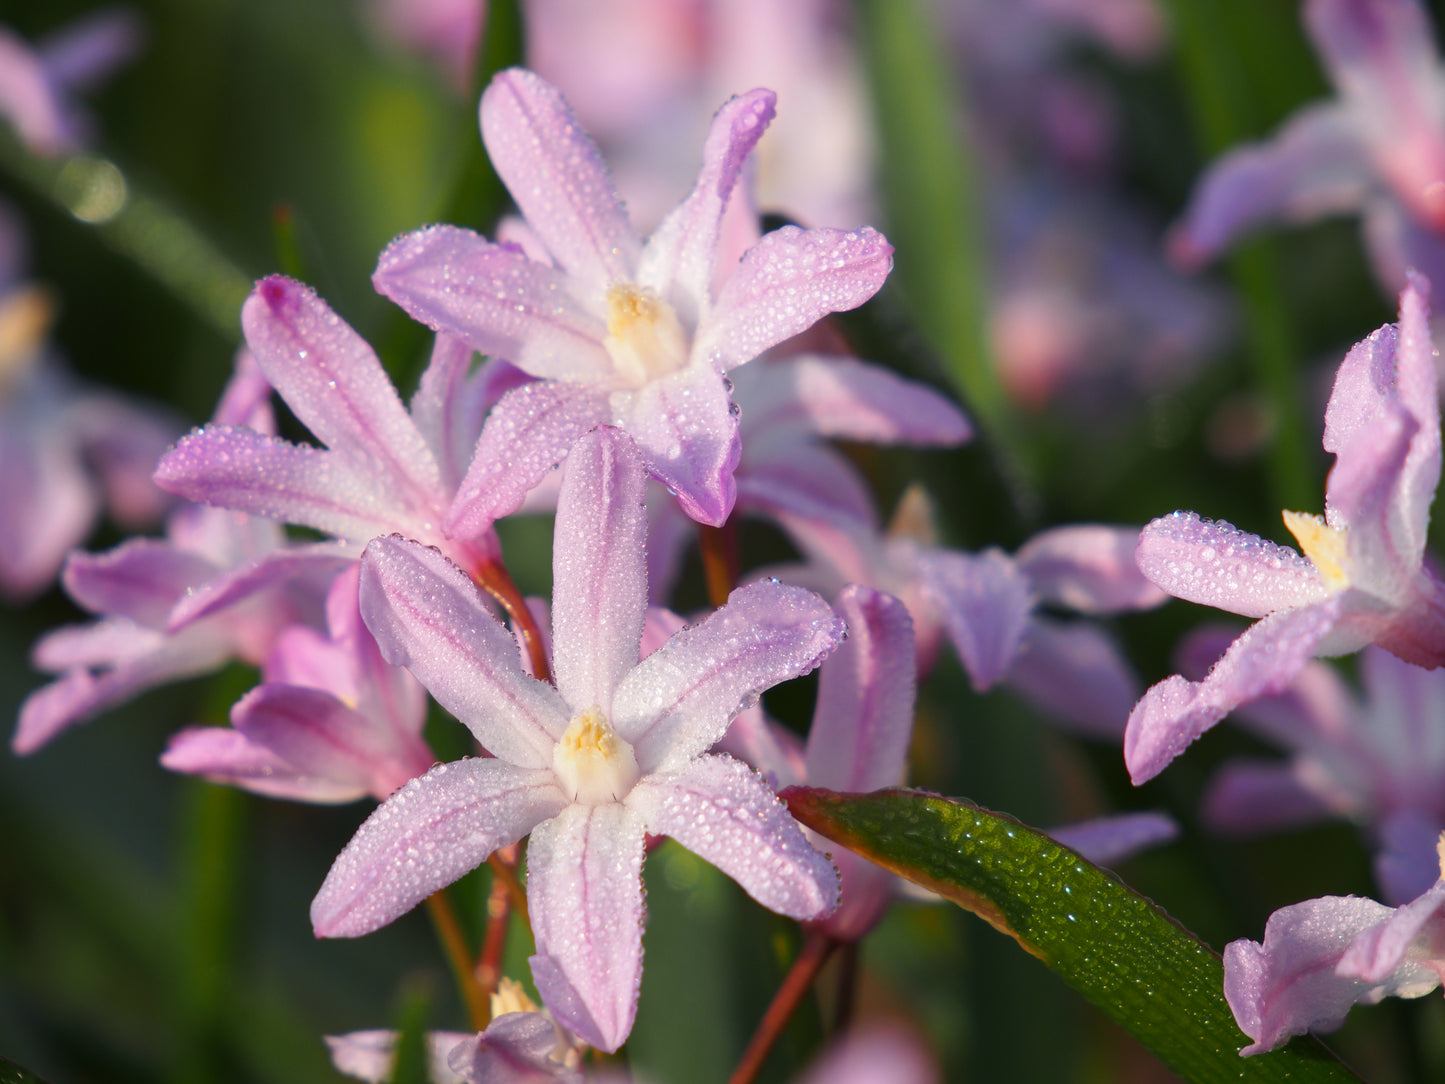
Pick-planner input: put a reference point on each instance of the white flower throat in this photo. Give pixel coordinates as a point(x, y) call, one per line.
point(592, 764)
point(645, 339)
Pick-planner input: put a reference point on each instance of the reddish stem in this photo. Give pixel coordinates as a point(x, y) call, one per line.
point(459, 956)
point(719, 560)
point(816, 950)
point(494, 943)
point(493, 577)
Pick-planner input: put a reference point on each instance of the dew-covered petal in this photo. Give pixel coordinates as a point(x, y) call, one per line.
point(1216, 564)
point(496, 299)
point(1288, 985)
point(1262, 662)
point(1089, 568)
point(526, 435)
point(1361, 495)
point(681, 256)
point(334, 383)
point(584, 896)
point(140, 579)
point(785, 284)
point(448, 407)
point(434, 830)
point(599, 568)
point(688, 436)
point(986, 603)
point(224, 755)
point(428, 616)
point(679, 700)
point(266, 476)
point(558, 180)
point(1316, 165)
point(858, 740)
point(303, 571)
point(760, 743)
point(845, 399)
point(516, 1048)
point(722, 811)
point(1107, 840)
point(1404, 951)
point(1075, 673)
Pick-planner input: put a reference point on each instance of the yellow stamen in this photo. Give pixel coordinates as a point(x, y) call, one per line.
point(913, 518)
point(1440, 853)
point(511, 997)
point(592, 764)
point(1325, 546)
point(645, 339)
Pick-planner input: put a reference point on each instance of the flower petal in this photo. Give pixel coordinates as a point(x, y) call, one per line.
point(722, 811)
point(1215, 563)
point(302, 571)
point(434, 830)
point(558, 180)
point(806, 481)
point(224, 755)
point(496, 299)
point(986, 603)
point(371, 1055)
point(1263, 661)
point(140, 579)
point(599, 569)
point(1107, 840)
point(1247, 797)
point(680, 699)
point(859, 737)
point(516, 1048)
point(688, 435)
point(785, 284)
point(527, 434)
point(428, 616)
point(1088, 567)
point(1075, 673)
point(681, 257)
point(584, 895)
point(447, 408)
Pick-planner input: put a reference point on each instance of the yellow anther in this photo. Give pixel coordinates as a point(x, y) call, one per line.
point(511, 997)
point(645, 339)
point(1325, 546)
point(1440, 853)
point(593, 765)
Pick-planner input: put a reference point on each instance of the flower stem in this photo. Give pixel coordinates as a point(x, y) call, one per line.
point(847, 988)
point(455, 945)
point(504, 867)
point(499, 916)
point(719, 560)
point(493, 578)
point(816, 950)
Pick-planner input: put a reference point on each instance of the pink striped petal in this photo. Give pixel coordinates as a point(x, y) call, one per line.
point(448, 407)
point(785, 284)
point(1215, 563)
point(681, 256)
point(679, 700)
point(527, 434)
point(496, 299)
point(428, 616)
point(722, 811)
point(303, 570)
point(1089, 568)
point(986, 603)
point(1264, 661)
point(584, 895)
point(558, 180)
point(431, 832)
point(140, 579)
point(858, 740)
point(334, 383)
point(224, 755)
point(599, 569)
point(807, 481)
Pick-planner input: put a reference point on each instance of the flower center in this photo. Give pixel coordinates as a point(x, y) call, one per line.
point(25, 317)
point(645, 339)
point(511, 997)
point(593, 765)
point(1325, 546)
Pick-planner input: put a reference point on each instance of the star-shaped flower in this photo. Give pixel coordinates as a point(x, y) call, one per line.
point(619, 331)
point(1362, 578)
point(614, 752)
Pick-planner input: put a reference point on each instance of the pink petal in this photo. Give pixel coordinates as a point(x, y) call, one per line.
point(302, 571)
point(447, 409)
point(1089, 568)
point(334, 383)
point(265, 476)
point(1215, 563)
point(688, 436)
point(785, 284)
point(516, 1048)
point(558, 180)
point(584, 895)
point(1107, 840)
point(370, 1055)
point(808, 482)
point(1075, 673)
point(434, 830)
point(1316, 165)
point(224, 755)
point(1247, 797)
point(680, 258)
point(30, 102)
point(1262, 662)
point(428, 616)
point(1401, 952)
point(722, 811)
point(760, 743)
point(871, 1055)
point(140, 579)
point(864, 716)
point(679, 700)
point(599, 569)
point(1288, 985)
point(527, 434)
point(986, 603)
point(496, 299)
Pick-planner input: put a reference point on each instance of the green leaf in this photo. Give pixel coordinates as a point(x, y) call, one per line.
point(10, 1073)
point(1147, 973)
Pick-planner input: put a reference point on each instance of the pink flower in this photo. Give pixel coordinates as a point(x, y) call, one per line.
point(618, 331)
point(1362, 579)
point(615, 751)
